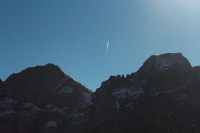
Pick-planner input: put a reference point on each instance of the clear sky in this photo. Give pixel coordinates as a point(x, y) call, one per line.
point(74, 35)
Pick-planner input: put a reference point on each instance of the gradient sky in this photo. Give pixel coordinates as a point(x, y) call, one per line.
point(73, 34)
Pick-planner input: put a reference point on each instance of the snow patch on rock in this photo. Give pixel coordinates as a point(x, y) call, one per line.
point(51, 124)
point(7, 112)
point(163, 62)
point(36, 108)
point(78, 115)
point(182, 87)
point(60, 110)
point(58, 86)
point(49, 106)
point(117, 105)
point(7, 101)
point(183, 96)
point(33, 106)
point(66, 90)
point(155, 94)
point(75, 115)
point(87, 100)
point(28, 105)
point(128, 93)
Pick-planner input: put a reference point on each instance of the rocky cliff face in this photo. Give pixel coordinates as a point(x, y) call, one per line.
point(44, 99)
point(162, 96)
point(154, 99)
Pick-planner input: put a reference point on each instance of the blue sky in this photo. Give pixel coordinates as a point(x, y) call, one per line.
point(73, 34)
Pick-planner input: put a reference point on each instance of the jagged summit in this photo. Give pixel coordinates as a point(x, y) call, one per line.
point(38, 70)
point(47, 95)
point(48, 71)
point(35, 84)
point(163, 62)
point(162, 96)
point(153, 65)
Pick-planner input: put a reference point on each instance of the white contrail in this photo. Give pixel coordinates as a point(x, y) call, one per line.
point(107, 45)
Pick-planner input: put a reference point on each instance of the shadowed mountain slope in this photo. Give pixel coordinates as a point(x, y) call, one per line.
point(162, 96)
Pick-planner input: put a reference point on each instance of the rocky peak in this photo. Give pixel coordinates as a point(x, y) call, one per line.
point(163, 96)
point(113, 81)
point(162, 63)
point(41, 84)
point(47, 96)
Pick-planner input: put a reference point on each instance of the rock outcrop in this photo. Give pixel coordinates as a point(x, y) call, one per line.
point(154, 99)
point(45, 99)
point(42, 85)
point(162, 96)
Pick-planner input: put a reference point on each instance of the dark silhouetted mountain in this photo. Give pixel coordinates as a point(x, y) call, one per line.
point(44, 99)
point(162, 96)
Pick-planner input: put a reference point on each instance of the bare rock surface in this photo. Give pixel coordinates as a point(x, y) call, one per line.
point(162, 96)
point(45, 99)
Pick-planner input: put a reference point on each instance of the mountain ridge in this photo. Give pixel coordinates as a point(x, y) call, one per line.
point(164, 91)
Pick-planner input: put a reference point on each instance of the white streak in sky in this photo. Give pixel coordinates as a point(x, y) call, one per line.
point(107, 45)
